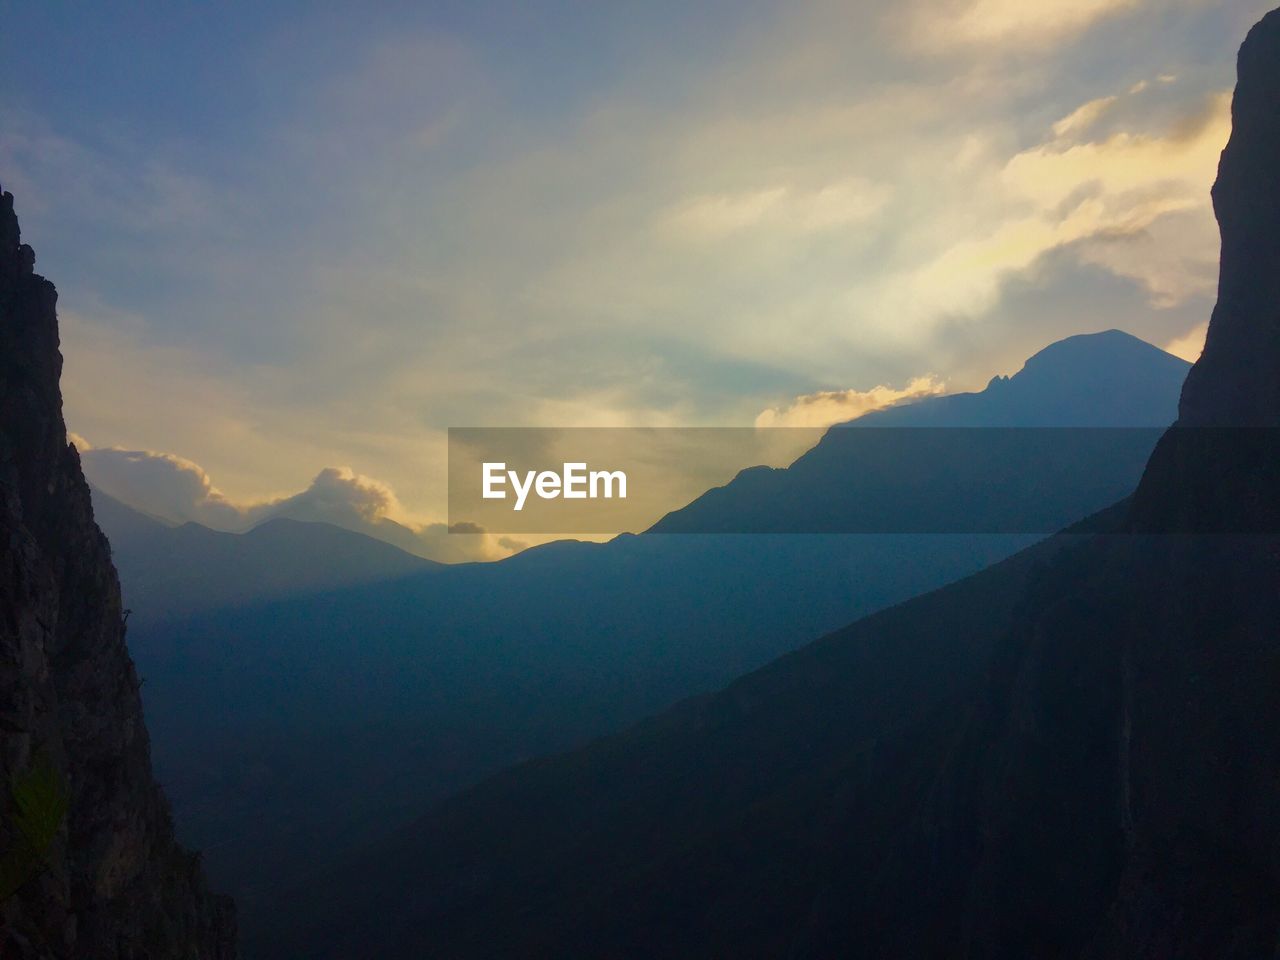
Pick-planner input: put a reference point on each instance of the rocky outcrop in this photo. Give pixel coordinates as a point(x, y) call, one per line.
point(104, 878)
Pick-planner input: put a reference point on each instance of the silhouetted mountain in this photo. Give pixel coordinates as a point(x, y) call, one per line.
point(1108, 379)
point(174, 571)
point(1072, 754)
point(1068, 433)
point(88, 862)
point(121, 522)
point(303, 509)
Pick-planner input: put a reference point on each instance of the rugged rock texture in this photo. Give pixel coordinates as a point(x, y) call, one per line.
point(114, 884)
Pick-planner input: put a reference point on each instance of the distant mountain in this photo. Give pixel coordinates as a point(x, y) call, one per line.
point(172, 571)
point(1074, 753)
point(122, 522)
point(306, 508)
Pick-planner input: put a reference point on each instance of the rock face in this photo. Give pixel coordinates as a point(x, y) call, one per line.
point(1237, 380)
point(112, 883)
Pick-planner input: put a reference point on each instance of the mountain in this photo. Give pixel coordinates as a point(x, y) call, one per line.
point(350, 709)
point(303, 508)
point(1108, 379)
point(175, 571)
point(1074, 753)
point(88, 862)
point(1079, 419)
point(122, 523)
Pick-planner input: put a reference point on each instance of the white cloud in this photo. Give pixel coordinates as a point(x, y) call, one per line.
point(828, 407)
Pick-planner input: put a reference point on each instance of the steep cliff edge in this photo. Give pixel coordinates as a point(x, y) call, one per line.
point(112, 882)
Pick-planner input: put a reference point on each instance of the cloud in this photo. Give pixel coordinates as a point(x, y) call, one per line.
point(828, 407)
point(1190, 345)
point(1085, 116)
point(1134, 202)
point(938, 27)
point(789, 208)
point(161, 484)
point(340, 495)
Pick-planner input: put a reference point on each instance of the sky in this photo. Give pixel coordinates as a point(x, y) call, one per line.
point(295, 242)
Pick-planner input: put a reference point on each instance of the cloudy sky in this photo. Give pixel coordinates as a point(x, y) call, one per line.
point(314, 236)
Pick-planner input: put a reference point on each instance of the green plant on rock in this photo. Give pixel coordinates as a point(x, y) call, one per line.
point(39, 799)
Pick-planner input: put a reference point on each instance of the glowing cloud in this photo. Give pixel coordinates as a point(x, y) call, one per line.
point(829, 407)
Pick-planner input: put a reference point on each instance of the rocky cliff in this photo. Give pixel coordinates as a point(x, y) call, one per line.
point(88, 862)
point(1237, 380)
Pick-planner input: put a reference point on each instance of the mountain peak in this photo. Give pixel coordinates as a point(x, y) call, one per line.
point(16, 258)
point(1107, 347)
point(1107, 379)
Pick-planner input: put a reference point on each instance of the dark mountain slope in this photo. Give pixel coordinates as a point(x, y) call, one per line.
point(1074, 754)
point(173, 571)
point(540, 860)
point(113, 883)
